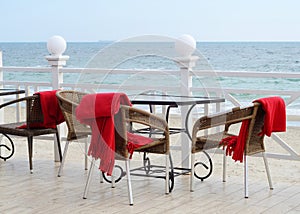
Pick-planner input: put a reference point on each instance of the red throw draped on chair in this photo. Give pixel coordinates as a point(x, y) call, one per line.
point(275, 115)
point(274, 121)
point(98, 110)
point(235, 145)
point(51, 111)
point(135, 141)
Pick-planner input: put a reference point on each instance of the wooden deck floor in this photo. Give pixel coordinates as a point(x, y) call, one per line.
point(44, 192)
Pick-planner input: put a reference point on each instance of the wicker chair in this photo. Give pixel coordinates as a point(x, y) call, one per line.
point(254, 142)
point(125, 120)
point(68, 100)
point(33, 115)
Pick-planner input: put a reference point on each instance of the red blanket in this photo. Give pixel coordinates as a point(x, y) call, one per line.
point(275, 115)
point(51, 111)
point(274, 121)
point(98, 110)
point(135, 141)
point(235, 145)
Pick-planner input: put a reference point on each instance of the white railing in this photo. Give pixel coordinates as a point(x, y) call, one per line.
point(292, 97)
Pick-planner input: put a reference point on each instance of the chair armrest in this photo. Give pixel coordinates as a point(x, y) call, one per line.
point(236, 115)
point(14, 101)
point(211, 121)
point(33, 108)
point(135, 115)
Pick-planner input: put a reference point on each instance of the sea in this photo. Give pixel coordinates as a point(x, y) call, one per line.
point(223, 56)
point(227, 56)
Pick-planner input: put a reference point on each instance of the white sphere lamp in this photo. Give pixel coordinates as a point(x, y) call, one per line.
point(56, 45)
point(185, 45)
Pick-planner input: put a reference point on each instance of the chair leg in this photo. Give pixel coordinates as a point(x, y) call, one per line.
point(192, 172)
point(101, 176)
point(267, 170)
point(167, 174)
point(130, 197)
point(58, 146)
point(246, 176)
point(224, 166)
point(63, 159)
point(87, 185)
point(30, 142)
point(86, 154)
point(113, 181)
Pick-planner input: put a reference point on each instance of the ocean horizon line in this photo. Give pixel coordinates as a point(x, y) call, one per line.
point(112, 41)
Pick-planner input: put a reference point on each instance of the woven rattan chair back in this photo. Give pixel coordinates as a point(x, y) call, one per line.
point(254, 141)
point(68, 101)
point(34, 110)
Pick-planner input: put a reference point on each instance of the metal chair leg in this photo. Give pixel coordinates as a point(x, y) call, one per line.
point(192, 172)
point(167, 174)
point(224, 165)
point(58, 146)
point(130, 197)
point(267, 170)
point(87, 185)
point(63, 159)
point(101, 177)
point(246, 176)
point(30, 148)
point(86, 154)
point(113, 181)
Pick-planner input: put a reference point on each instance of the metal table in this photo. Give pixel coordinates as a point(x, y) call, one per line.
point(6, 143)
point(174, 101)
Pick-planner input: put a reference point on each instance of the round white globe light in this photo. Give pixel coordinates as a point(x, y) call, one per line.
point(185, 45)
point(56, 45)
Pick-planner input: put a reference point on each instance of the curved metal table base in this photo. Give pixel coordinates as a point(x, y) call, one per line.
point(147, 170)
point(209, 168)
point(10, 148)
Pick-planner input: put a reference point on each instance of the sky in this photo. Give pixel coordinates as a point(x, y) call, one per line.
point(94, 20)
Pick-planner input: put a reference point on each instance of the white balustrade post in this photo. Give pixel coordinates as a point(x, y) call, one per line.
point(185, 46)
point(56, 46)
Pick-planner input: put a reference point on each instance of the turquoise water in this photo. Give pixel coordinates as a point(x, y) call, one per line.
point(245, 56)
point(253, 56)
